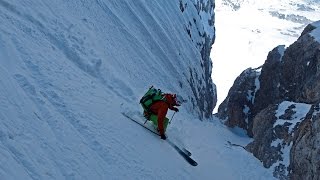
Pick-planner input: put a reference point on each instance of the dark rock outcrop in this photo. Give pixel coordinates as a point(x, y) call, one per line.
point(264, 135)
point(284, 125)
point(270, 89)
point(305, 152)
point(262, 87)
point(236, 109)
point(287, 74)
point(300, 72)
point(274, 133)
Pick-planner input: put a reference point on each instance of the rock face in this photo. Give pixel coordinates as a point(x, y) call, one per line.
point(288, 74)
point(282, 115)
point(201, 32)
point(253, 91)
point(274, 132)
point(209, 96)
point(236, 109)
point(300, 78)
point(263, 135)
point(305, 153)
point(270, 89)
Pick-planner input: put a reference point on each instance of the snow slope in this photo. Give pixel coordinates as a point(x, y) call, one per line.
point(67, 71)
point(247, 30)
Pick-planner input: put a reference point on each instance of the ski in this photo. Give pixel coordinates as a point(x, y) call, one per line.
point(140, 124)
point(186, 151)
point(182, 151)
point(183, 154)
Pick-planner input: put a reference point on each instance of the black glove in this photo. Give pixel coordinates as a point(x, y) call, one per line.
point(176, 109)
point(163, 137)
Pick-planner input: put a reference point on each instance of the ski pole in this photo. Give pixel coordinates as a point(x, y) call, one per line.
point(172, 117)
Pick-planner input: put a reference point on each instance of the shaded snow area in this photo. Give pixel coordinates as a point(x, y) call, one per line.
point(67, 71)
point(289, 114)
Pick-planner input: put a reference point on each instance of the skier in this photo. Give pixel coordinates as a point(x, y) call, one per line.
point(158, 111)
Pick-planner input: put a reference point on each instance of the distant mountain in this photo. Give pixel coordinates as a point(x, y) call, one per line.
point(299, 12)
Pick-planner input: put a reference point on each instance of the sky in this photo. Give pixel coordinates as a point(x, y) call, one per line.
point(244, 37)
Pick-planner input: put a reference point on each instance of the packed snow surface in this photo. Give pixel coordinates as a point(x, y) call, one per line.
point(67, 71)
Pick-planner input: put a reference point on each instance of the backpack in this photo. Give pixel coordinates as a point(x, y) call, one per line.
point(151, 96)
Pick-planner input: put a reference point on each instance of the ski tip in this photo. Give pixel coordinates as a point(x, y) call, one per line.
point(195, 164)
point(186, 151)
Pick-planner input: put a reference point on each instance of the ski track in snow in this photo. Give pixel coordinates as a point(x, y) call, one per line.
point(67, 78)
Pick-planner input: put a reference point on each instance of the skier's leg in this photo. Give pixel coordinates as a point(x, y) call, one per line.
point(154, 119)
point(165, 123)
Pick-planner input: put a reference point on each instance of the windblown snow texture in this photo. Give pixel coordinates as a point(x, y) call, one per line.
point(67, 70)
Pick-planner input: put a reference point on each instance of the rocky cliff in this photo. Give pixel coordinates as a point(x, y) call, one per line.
point(201, 32)
point(279, 108)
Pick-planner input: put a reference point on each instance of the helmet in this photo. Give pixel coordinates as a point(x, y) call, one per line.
point(178, 99)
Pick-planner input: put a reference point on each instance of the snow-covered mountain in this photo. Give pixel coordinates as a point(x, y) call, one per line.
point(276, 96)
point(278, 105)
point(69, 68)
point(247, 29)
